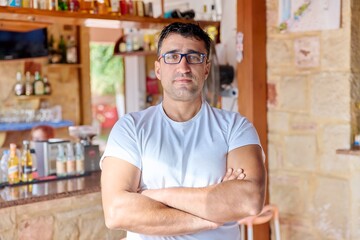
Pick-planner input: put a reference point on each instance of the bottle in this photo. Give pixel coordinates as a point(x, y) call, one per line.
point(71, 50)
point(61, 162)
point(19, 86)
point(62, 5)
point(70, 160)
point(4, 164)
point(51, 46)
point(47, 86)
point(26, 163)
point(13, 166)
point(79, 157)
point(28, 84)
point(38, 84)
point(62, 49)
point(213, 13)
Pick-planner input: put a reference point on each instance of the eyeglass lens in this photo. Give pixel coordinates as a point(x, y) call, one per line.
point(192, 58)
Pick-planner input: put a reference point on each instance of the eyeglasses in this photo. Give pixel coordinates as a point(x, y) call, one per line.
point(175, 58)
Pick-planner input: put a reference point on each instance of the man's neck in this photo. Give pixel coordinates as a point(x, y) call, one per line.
point(181, 111)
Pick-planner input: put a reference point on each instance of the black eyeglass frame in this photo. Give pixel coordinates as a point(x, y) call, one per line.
point(202, 55)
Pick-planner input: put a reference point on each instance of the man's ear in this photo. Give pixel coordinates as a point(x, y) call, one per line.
point(157, 69)
point(207, 69)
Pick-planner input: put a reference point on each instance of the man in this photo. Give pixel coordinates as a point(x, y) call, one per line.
point(182, 169)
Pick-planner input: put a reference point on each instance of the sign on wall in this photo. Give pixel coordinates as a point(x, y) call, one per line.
point(309, 15)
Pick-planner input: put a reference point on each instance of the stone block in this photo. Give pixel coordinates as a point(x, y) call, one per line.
point(278, 121)
point(300, 152)
point(290, 192)
point(330, 98)
point(303, 123)
point(293, 93)
point(335, 46)
point(334, 136)
point(279, 52)
point(331, 208)
point(8, 219)
point(294, 228)
point(36, 228)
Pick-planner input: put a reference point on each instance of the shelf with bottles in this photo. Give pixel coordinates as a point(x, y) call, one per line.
point(64, 65)
point(31, 16)
point(31, 97)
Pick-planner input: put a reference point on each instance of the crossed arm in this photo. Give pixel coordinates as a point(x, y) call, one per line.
point(168, 212)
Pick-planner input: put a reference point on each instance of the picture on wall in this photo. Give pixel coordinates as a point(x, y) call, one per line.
point(308, 15)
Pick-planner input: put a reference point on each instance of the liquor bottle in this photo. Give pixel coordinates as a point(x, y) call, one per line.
point(61, 162)
point(47, 86)
point(62, 49)
point(70, 161)
point(29, 90)
point(71, 50)
point(79, 157)
point(38, 84)
point(19, 87)
point(4, 165)
point(13, 167)
point(63, 5)
point(26, 163)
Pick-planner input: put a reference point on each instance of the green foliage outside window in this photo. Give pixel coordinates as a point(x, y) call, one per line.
point(107, 72)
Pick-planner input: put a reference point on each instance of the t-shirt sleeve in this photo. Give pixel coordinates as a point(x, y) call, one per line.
point(122, 142)
point(242, 132)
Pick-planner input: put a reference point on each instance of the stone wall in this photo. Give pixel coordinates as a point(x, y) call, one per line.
point(72, 218)
point(312, 112)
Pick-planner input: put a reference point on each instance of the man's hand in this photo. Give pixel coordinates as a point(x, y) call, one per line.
point(232, 174)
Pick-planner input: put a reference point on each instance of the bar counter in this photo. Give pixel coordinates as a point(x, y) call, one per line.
point(49, 190)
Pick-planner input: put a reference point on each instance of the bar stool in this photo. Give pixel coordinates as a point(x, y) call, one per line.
point(269, 212)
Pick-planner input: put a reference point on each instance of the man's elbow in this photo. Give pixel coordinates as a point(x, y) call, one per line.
point(114, 219)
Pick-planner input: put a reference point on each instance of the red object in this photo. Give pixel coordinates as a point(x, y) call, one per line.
point(152, 86)
point(107, 115)
point(123, 7)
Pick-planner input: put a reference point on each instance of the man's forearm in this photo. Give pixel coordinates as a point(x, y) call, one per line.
point(223, 202)
point(140, 214)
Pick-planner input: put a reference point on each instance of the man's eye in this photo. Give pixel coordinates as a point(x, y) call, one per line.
point(172, 56)
point(194, 57)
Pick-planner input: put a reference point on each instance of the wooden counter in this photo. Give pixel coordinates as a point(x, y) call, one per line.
point(54, 189)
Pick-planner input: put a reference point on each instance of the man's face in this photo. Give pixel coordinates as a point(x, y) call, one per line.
point(182, 81)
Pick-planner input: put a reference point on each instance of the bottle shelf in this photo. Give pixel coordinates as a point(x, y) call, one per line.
point(135, 53)
point(64, 65)
point(24, 16)
point(31, 97)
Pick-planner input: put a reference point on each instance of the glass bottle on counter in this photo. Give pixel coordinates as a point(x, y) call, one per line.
point(70, 161)
point(19, 87)
point(61, 162)
point(79, 157)
point(38, 84)
point(13, 167)
point(29, 90)
point(26, 163)
point(4, 166)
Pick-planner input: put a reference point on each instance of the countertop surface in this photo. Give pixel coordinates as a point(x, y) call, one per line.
point(43, 191)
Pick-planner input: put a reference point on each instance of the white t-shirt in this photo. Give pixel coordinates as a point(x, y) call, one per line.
point(181, 154)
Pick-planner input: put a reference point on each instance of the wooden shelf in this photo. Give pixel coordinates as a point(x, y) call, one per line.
point(63, 65)
point(31, 97)
point(32, 16)
point(135, 53)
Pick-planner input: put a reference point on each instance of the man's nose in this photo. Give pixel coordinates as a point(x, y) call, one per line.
point(183, 65)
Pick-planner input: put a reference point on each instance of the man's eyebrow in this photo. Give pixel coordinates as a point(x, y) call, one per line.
point(178, 51)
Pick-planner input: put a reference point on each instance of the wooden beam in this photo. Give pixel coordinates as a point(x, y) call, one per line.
point(251, 76)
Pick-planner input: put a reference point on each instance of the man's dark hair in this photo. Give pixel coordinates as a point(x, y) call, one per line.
point(187, 30)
